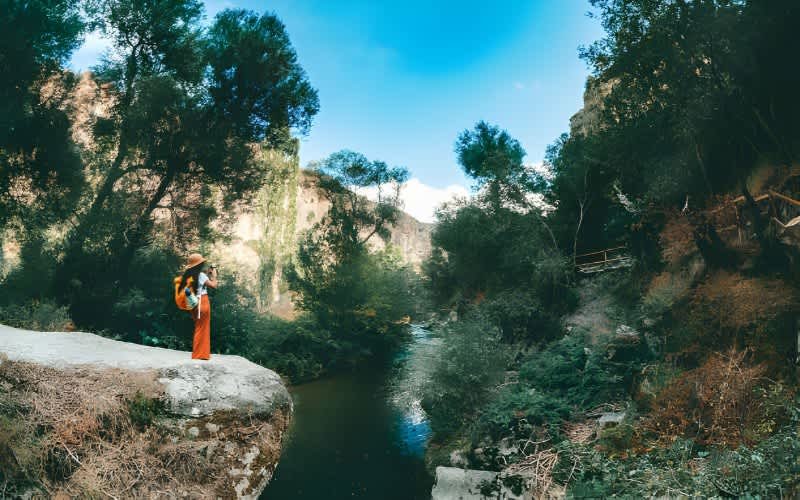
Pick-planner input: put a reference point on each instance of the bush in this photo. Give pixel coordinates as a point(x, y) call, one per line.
point(562, 379)
point(516, 409)
point(143, 410)
point(469, 365)
point(582, 374)
point(715, 403)
point(299, 350)
point(44, 316)
point(520, 316)
point(768, 470)
point(361, 300)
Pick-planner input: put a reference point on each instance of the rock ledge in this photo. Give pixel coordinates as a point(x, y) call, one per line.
point(228, 412)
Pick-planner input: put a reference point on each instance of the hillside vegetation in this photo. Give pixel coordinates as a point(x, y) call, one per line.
point(676, 376)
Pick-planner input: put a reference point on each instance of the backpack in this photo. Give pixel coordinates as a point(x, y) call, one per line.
point(185, 299)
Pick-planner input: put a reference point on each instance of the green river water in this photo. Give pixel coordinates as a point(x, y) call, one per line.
point(360, 435)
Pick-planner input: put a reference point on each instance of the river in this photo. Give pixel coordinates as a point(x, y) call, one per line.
point(360, 435)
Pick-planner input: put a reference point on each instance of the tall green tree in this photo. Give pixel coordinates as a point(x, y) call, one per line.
point(40, 172)
point(190, 106)
point(350, 291)
point(498, 249)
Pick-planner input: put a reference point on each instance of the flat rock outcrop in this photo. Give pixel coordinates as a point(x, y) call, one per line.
point(226, 415)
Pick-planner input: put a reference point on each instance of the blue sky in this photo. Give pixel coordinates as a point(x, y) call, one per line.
point(399, 80)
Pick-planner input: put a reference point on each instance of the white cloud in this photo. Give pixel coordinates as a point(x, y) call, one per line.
point(519, 85)
point(421, 200)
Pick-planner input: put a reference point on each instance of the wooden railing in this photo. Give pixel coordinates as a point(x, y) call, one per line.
point(726, 223)
point(615, 257)
point(602, 260)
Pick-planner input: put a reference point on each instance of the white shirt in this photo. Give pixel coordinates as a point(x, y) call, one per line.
point(201, 284)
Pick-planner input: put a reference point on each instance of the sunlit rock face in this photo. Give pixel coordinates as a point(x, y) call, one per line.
point(266, 233)
point(227, 415)
point(587, 120)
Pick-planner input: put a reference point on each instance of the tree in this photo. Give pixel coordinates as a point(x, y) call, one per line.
point(700, 95)
point(350, 291)
point(495, 160)
point(498, 248)
point(580, 187)
point(41, 175)
point(190, 107)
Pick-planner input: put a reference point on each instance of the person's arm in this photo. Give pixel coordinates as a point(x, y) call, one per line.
point(212, 278)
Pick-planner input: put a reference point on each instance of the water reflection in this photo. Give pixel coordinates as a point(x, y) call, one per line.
point(360, 435)
point(411, 371)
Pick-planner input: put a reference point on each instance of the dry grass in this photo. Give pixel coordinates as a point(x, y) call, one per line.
point(77, 433)
point(714, 403)
point(580, 432)
point(537, 469)
point(676, 239)
point(733, 301)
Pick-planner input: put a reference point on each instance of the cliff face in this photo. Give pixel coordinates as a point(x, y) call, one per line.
point(83, 415)
point(587, 120)
point(266, 233)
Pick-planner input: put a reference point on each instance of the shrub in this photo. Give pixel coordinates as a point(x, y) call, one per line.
point(45, 316)
point(516, 409)
point(713, 403)
point(520, 316)
point(768, 470)
point(469, 365)
point(299, 349)
point(663, 292)
point(583, 374)
point(143, 410)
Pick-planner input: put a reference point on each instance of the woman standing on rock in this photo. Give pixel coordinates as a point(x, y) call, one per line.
point(195, 278)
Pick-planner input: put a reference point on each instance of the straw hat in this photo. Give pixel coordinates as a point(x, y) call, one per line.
point(194, 259)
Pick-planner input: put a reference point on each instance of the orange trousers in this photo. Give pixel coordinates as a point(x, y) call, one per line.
point(201, 342)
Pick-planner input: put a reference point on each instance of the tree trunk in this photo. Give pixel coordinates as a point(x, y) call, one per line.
point(115, 171)
point(759, 224)
point(577, 232)
point(137, 238)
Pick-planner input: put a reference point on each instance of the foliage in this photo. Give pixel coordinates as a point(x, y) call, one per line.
point(188, 106)
point(564, 378)
point(45, 316)
point(360, 297)
point(664, 291)
point(727, 308)
point(352, 219)
point(363, 300)
point(40, 171)
point(497, 250)
point(143, 410)
point(275, 216)
point(469, 365)
point(517, 409)
point(299, 350)
point(494, 159)
point(769, 469)
point(580, 185)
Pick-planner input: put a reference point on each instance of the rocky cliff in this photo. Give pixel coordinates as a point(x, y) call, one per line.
point(266, 232)
point(87, 416)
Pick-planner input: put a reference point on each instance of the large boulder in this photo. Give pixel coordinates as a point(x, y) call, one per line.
point(225, 416)
point(453, 483)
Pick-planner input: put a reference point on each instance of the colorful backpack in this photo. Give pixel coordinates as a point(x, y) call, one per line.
point(185, 299)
